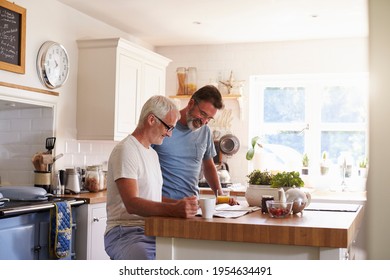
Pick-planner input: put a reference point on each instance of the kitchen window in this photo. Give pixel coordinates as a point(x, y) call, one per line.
point(312, 114)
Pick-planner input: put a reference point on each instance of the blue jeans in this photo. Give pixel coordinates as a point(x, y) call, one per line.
point(129, 243)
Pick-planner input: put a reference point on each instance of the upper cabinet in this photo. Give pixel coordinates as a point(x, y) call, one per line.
point(115, 78)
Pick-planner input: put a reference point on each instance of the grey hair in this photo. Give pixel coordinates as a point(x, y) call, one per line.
point(158, 105)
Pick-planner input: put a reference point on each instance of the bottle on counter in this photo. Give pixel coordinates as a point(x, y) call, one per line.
point(62, 180)
point(56, 184)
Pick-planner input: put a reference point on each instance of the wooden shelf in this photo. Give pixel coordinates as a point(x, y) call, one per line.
point(225, 96)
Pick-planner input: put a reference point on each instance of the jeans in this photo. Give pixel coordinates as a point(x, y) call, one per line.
point(129, 243)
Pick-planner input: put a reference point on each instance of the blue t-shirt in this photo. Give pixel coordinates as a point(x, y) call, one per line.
point(181, 158)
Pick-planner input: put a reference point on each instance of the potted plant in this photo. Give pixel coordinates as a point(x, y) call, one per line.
point(258, 177)
point(363, 167)
point(305, 164)
point(259, 184)
point(324, 165)
point(287, 180)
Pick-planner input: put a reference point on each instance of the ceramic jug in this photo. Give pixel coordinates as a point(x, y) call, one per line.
point(300, 198)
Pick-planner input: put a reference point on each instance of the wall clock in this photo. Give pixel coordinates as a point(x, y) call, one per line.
point(52, 64)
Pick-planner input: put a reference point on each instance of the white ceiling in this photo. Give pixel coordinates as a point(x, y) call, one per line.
point(189, 22)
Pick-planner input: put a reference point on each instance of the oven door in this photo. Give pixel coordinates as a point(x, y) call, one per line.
point(26, 236)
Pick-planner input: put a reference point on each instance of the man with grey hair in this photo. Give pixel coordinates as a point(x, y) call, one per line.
point(134, 184)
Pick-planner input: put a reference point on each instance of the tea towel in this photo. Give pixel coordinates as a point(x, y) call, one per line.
point(60, 230)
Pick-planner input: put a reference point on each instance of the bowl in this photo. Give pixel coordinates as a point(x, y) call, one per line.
point(278, 209)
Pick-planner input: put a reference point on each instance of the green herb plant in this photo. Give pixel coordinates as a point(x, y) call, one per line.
point(287, 180)
point(363, 163)
point(258, 177)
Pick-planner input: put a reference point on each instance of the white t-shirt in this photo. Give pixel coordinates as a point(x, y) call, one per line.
point(130, 159)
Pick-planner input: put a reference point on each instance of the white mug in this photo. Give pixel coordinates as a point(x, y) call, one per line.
point(207, 205)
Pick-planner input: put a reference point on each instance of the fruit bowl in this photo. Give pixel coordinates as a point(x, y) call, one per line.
point(278, 209)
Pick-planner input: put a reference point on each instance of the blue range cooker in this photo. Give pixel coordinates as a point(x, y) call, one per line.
point(25, 228)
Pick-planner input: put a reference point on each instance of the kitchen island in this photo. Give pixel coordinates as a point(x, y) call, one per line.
point(312, 235)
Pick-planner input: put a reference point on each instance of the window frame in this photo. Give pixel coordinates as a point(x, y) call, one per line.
point(313, 83)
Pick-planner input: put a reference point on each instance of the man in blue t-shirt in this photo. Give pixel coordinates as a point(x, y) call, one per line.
point(191, 146)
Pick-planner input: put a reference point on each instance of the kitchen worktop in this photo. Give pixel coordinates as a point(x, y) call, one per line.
point(313, 228)
point(325, 195)
point(324, 230)
point(317, 195)
point(90, 197)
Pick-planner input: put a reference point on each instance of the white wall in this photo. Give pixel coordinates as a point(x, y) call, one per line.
point(294, 57)
point(51, 20)
point(378, 225)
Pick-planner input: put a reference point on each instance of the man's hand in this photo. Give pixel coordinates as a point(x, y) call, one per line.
point(187, 207)
point(233, 201)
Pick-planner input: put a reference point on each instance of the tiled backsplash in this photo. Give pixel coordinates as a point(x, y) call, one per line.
point(23, 133)
point(79, 153)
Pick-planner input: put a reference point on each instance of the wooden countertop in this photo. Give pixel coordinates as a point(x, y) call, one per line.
point(90, 197)
point(316, 194)
point(208, 191)
point(313, 228)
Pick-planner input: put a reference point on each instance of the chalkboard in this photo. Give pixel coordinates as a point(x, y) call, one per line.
point(12, 37)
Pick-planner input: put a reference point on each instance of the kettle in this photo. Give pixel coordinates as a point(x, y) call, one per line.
point(72, 181)
point(223, 173)
point(224, 176)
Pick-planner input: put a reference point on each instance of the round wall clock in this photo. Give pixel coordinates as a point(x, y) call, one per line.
point(52, 64)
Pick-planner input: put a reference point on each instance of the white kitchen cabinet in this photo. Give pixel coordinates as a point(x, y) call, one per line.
point(91, 225)
point(115, 78)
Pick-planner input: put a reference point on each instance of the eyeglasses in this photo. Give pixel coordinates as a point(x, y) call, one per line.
point(168, 127)
point(203, 113)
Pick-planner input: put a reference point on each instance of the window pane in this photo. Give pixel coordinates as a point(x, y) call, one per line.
point(284, 105)
point(336, 142)
point(343, 105)
point(293, 140)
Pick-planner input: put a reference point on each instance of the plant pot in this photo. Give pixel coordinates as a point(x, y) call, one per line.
point(254, 193)
point(324, 170)
point(362, 172)
point(305, 171)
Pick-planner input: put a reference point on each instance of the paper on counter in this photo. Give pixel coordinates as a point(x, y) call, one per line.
point(227, 211)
